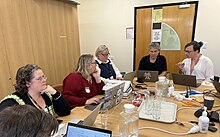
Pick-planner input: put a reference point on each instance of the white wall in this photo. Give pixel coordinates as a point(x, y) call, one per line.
point(105, 22)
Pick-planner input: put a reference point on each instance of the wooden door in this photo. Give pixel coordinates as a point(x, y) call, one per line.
point(182, 20)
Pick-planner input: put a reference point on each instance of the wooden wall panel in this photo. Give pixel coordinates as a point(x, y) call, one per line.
point(59, 38)
point(37, 12)
point(44, 32)
point(16, 34)
point(5, 82)
point(72, 31)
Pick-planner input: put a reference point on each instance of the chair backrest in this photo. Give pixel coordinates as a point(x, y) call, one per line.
point(58, 87)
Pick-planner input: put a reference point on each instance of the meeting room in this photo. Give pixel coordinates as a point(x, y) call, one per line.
point(120, 68)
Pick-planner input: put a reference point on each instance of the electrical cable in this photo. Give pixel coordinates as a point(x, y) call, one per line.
point(192, 130)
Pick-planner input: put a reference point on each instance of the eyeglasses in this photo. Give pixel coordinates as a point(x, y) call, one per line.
point(41, 78)
point(105, 54)
point(187, 51)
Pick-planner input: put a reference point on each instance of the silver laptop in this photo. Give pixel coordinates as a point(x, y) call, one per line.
point(113, 96)
point(90, 119)
point(129, 76)
point(76, 130)
point(147, 76)
point(185, 80)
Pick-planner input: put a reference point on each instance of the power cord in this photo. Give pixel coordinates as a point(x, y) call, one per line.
point(193, 130)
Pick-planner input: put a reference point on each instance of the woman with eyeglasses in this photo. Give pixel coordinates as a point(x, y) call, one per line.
point(108, 68)
point(154, 61)
point(196, 63)
point(32, 89)
point(80, 86)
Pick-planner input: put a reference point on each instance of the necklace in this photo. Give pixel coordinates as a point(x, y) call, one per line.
point(35, 102)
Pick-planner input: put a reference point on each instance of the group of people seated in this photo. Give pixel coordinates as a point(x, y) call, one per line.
point(82, 85)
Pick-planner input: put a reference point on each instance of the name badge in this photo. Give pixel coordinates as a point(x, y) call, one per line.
point(87, 89)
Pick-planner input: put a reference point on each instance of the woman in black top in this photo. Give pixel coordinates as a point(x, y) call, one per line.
point(154, 61)
point(31, 88)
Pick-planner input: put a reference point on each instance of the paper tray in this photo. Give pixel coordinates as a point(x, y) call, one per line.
point(168, 113)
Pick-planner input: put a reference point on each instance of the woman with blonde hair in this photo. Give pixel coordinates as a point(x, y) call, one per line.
point(80, 86)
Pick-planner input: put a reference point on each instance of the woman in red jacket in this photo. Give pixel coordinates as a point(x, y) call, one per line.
point(80, 86)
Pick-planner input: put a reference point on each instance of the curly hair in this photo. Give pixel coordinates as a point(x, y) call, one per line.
point(24, 75)
point(26, 121)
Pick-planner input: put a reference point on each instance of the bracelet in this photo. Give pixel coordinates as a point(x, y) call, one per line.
point(57, 97)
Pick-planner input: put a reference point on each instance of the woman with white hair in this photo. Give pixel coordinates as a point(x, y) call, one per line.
point(108, 68)
point(80, 86)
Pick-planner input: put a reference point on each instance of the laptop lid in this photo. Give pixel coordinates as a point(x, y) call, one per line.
point(75, 130)
point(147, 76)
point(90, 119)
point(216, 85)
point(129, 76)
point(113, 96)
point(185, 80)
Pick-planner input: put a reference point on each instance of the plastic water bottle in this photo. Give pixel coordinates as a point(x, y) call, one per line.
point(162, 87)
point(129, 121)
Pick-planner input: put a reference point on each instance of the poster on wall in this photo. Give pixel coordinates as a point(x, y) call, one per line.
point(130, 33)
point(156, 35)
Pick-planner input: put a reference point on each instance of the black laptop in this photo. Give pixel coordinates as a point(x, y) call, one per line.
point(76, 130)
point(147, 76)
point(185, 80)
point(216, 85)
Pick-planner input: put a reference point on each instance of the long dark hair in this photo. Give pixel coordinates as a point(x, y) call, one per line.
point(24, 75)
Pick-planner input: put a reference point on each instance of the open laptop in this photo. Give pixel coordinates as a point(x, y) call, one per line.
point(113, 96)
point(147, 76)
point(185, 80)
point(75, 130)
point(90, 119)
point(129, 76)
point(216, 85)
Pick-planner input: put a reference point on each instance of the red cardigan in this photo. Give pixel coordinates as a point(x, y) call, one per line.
point(74, 89)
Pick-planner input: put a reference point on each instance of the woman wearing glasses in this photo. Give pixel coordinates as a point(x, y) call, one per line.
point(108, 68)
point(196, 63)
point(80, 86)
point(154, 61)
point(32, 89)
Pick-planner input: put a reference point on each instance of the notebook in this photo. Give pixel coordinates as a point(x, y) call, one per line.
point(185, 80)
point(147, 76)
point(113, 96)
point(76, 130)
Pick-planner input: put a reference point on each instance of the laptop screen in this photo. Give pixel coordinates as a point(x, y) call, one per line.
point(74, 130)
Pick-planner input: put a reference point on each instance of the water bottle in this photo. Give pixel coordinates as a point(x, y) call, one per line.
point(162, 87)
point(128, 125)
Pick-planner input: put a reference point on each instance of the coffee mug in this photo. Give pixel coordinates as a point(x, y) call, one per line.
point(208, 102)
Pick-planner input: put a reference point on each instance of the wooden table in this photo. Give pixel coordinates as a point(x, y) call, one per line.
point(183, 115)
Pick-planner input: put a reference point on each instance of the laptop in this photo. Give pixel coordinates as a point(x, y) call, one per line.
point(129, 76)
point(90, 119)
point(185, 80)
point(216, 85)
point(113, 96)
point(147, 76)
point(76, 130)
